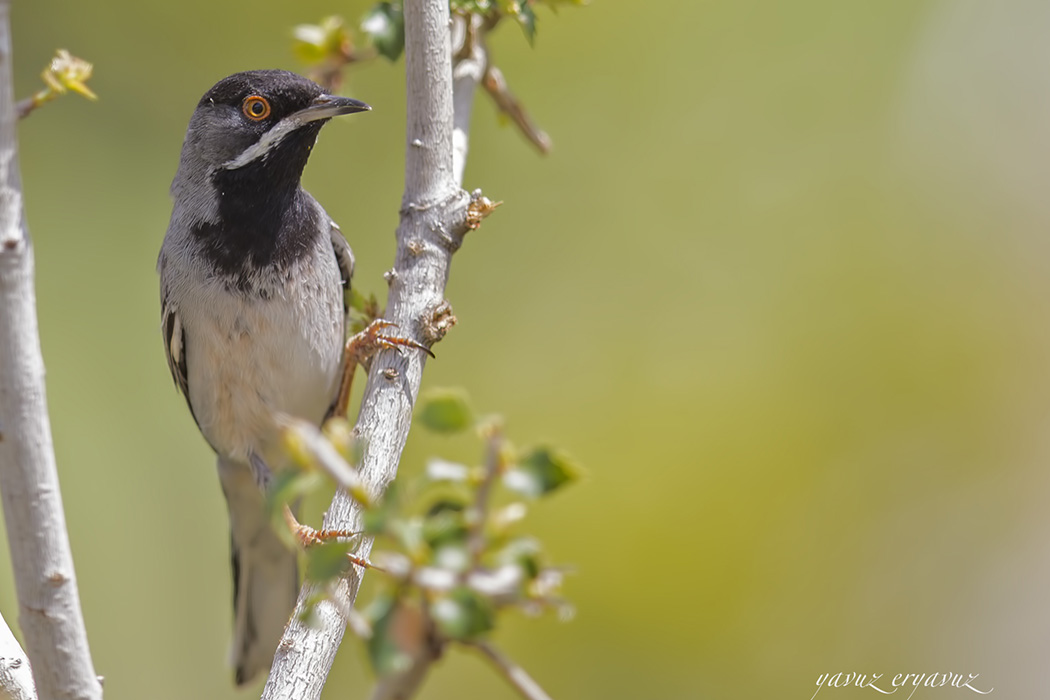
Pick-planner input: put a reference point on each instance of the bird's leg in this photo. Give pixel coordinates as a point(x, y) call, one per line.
point(360, 350)
point(307, 536)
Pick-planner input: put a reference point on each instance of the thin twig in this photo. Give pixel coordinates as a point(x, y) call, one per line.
point(497, 88)
point(479, 510)
point(23, 108)
point(513, 673)
point(473, 65)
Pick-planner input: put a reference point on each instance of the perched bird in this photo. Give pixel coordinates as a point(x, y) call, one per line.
point(252, 277)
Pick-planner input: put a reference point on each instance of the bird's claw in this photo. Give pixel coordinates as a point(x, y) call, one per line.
point(306, 536)
point(364, 345)
point(361, 348)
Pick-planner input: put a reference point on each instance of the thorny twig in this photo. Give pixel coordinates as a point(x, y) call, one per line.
point(471, 46)
point(496, 86)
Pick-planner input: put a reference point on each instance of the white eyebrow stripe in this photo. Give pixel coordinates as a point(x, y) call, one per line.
point(270, 139)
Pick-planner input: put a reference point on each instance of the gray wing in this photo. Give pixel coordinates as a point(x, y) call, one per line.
point(174, 342)
point(175, 348)
point(345, 258)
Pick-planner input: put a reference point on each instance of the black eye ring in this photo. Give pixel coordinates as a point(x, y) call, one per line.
point(256, 108)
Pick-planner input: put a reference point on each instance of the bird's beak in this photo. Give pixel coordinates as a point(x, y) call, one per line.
point(324, 107)
point(328, 106)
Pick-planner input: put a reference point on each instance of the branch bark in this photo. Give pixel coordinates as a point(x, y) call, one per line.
point(468, 70)
point(49, 605)
point(434, 219)
point(16, 675)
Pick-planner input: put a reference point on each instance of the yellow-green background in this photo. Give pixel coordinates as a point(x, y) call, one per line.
point(782, 287)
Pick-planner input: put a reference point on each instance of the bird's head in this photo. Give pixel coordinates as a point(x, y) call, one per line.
point(254, 129)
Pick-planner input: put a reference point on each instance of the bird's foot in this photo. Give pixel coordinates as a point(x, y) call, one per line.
point(361, 348)
point(306, 537)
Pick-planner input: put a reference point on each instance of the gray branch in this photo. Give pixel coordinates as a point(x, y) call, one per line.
point(16, 675)
point(49, 606)
point(434, 219)
point(468, 70)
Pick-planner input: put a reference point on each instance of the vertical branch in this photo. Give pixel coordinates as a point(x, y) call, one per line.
point(49, 606)
point(428, 66)
point(434, 219)
point(468, 70)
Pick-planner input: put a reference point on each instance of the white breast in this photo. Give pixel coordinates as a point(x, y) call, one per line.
point(251, 358)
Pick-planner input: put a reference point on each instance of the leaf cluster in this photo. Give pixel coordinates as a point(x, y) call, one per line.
point(447, 547)
point(522, 11)
point(383, 28)
point(363, 309)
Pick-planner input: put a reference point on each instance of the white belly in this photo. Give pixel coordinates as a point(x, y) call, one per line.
point(250, 360)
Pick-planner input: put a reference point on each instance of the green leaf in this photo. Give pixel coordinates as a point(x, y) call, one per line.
point(357, 323)
point(444, 527)
point(385, 24)
point(379, 519)
point(521, 10)
point(288, 486)
point(527, 20)
point(540, 472)
point(309, 614)
point(356, 300)
point(315, 43)
point(448, 503)
point(525, 552)
point(445, 411)
point(463, 614)
point(397, 632)
point(326, 561)
point(363, 309)
point(409, 535)
point(470, 6)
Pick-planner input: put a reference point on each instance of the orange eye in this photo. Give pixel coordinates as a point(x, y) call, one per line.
point(256, 108)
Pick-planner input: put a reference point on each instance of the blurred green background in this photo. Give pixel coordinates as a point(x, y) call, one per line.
point(781, 286)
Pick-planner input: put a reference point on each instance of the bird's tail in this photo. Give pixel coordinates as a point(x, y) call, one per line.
point(265, 574)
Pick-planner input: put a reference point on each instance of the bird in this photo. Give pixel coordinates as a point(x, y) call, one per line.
point(253, 276)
